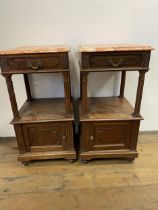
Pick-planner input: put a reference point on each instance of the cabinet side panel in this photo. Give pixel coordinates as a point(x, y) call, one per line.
point(69, 136)
point(134, 135)
point(84, 137)
point(20, 139)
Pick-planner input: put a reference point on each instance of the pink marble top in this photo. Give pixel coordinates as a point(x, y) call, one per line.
point(36, 49)
point(114, 47)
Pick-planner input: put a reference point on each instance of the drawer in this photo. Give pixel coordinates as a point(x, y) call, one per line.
point(106, 135)
point(111, 60)
point(40, 137)
point(35, 63)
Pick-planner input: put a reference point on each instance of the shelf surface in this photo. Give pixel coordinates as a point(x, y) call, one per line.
point(43, 110)
point(108, 108)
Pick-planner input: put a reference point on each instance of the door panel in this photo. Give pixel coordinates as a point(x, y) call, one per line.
point(44, 136)
point(109, 135)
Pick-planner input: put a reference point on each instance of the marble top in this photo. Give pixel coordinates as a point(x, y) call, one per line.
point(36, 49)
point(114, 47)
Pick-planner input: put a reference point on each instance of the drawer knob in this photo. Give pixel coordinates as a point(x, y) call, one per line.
point(120, 62)
point(34, 67)
point(91, 138)
point(63, 137)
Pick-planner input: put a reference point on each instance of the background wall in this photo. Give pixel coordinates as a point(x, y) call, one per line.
point(37, 22)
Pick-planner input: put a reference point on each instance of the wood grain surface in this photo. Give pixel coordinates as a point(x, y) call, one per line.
point(43, 110)
point(108, 108)
point(59, 185)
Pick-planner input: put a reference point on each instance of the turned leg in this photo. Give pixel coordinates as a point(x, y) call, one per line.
point(139, 93)
point(122, 87)
point(80, 86)
point(67, 91)
point(84, 92)
point(27, 86)
point(12, 95)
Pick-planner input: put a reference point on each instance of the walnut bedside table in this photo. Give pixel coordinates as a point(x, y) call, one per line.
point(110, 125)
point(43, 127)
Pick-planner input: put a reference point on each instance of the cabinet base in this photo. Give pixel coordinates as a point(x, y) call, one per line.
point(68, 155)
point(130, 155)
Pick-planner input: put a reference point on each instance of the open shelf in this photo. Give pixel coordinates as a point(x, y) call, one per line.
point(109, 108)
point(43, 110)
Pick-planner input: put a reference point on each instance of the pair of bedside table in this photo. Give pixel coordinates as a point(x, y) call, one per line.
point(109, 126)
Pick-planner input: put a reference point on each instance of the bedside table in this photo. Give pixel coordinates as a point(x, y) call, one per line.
point(43, 127)
point(110, 125)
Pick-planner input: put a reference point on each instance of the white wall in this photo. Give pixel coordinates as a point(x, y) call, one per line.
point(37, 22)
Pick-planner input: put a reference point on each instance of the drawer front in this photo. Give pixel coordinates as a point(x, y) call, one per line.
point(115, 61)
point(40, 137)
point(35, 63)
point(112, 60)
point(107, 135)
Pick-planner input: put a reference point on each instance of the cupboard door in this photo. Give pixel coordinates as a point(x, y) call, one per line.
point(40, 137)
point(109, 135)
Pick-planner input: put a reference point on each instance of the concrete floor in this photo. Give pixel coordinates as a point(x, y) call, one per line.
point(99, 185)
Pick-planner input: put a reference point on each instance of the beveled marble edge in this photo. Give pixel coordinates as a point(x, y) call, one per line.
point(36, 49)
point(113, 47)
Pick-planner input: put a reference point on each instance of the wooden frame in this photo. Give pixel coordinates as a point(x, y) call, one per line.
point(111, 61)
point(20, 62)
